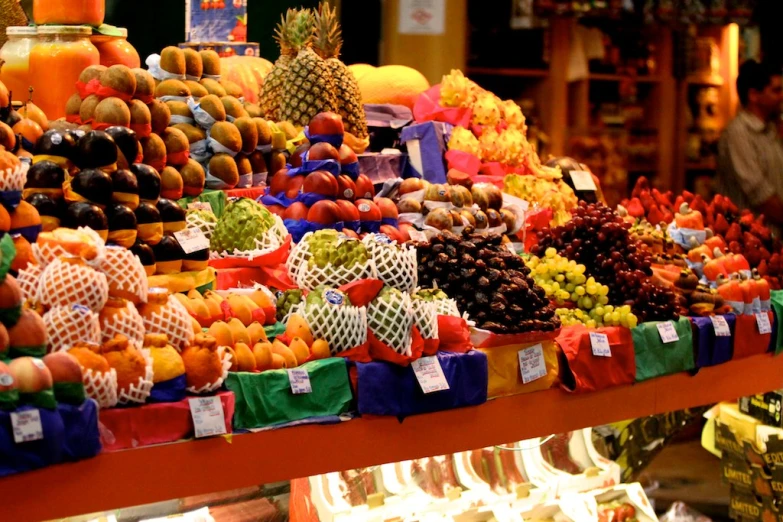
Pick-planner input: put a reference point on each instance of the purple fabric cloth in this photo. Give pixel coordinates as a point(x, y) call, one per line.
point(710, 350)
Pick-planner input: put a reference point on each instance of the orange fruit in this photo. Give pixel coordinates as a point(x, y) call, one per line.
point(277, 362)
point(32, 111)
point(8, 160)
point(222, 333)
point(245, 358)
point(5, 96)
point(7, 136)
point(202, 362)
point(320, 349)
point(263, 355)
point(300, 349)
point(24, 252)
point(297, 327)
point(89, 359)
point(256, 332)
point(126, 360)
point(283, 351)
point(29, 129)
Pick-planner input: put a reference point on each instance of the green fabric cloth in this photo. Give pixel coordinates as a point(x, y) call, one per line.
point(27, 351)
point(265, 399)
point(216, 198)
point(69, 392)
point(274, 330)
point(42, 399)
point(777, 307)
point(654, 359)
point(8, 399)
point(10, 316)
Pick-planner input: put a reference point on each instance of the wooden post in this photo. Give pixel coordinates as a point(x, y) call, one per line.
point(557, 85)
point(666, 95)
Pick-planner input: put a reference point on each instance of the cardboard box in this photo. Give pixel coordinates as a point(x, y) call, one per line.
point(765, 407)
point(216, 20)
point(225, 49)
point(742, 476)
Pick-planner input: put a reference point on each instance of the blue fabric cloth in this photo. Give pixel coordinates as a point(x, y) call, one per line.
point(371, 226)
point(431, 136)
point(29, 233)
point(351, 169)
point(298, 228)
point(309, 166)
point(710, 350)
point(10, 199)
point(173, 390)
point(356, 226)
point(309, 199)
point(390, 221)
point(389, 389)
point(336, 140)
point(82, 438)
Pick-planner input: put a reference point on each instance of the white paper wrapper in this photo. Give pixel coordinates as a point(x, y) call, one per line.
point(153, 64)
point(245, 181)
point(392, 322)
point(259, 179)
point(199, 151)
point(138, 392)
point(14, 179)
point(101, 386)
point(216, 147)
point(46, 253)
point(125, 274)
point(174, 321)
point(209, 388)
point(68, 325)
point(343, 327)
point(128, 323)
point(425, 315)
point(202, 117)
point(178, 118)
point(395, 265)
point(64, 284)
point(28, 279)
point(183, 99)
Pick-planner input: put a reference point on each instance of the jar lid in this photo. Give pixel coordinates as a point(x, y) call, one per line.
point(123, 32)
point(82, 30)
point(23, 30)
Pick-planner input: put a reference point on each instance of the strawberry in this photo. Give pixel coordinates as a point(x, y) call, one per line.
point(763, 268)
point(687, 196)
point(734, 233)
point(721, 226)
point(635, 208)
point(641, 184)
point(654, 215)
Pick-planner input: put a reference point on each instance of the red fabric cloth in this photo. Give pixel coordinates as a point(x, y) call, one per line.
point(252, 192)
point(454, 334)
point(146, 99)
point(273, 259)
point(487, 339)
point(428, 108)
point(107, 92)
point(492, 172)
point(586, 372)
point(380, 351)
point(85, 89)
point(362, 291)
point(463, 162)
point(747, 339)
point(142, 130)
point(272, 277)
point(178, 158)
point(125, 428)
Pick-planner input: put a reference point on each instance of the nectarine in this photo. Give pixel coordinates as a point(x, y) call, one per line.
point(364, 187)
point(323, 151)
point(321, 182)
point(298, 210)
point(368, 210)
point(346, 188)
point(348, 210)
point(326, 123)
point(324, 212)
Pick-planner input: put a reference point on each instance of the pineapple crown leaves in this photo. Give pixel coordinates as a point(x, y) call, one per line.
point(327, 32)
point(294, 31)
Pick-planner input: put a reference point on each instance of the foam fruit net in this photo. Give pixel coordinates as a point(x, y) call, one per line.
point(172, 320)
point(69, 325)
point(343, 327)
point(308, 277)
point(209, 388)
point(101, 386)
point(425, 315)
point(125, 275)
point(28, 279)
point(45, 253)
point(64, 284)
point(194, 220)
point(139, 391)
point(391, 322)
point(14, 179)
point(128, 322)
point(396, 265)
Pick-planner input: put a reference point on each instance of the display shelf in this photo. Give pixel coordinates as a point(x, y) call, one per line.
point(513, 72)
point(601, 77)
point(140, 476)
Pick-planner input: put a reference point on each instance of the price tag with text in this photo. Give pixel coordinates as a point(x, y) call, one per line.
point(208, 416)
point(583, 180)
point(200, 205)
point(720, 325)
point(192, 240)
point(531, 363)
point(430, 375)
point(600, 344)
point(667, 332)
point(300, 381)
point(26, 425)
point(762, 320)
point(417, 236)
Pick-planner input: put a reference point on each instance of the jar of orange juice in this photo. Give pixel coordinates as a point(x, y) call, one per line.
point(15, 57)
point(56, 61)
point(69, 12)
point(116, 49)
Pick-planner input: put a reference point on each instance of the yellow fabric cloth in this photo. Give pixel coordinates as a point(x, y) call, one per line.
point(505, 377)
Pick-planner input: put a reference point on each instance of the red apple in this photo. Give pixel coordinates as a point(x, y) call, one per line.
point(346, 188)
point(323, 151)
point(297, 157)
point(294, 186)
point(296, 211)
point(277, 210)
point(320, 182)
point(347, 232)
point(32, 375)
point(7, 381)
point(347, 155)
point(279, 182)
point(348, 210)
point(404, 230)
point(388, 208)
point(368, 210)
point(411, 185)
point(364, 187)
point(64, 367)
point(392, 233)
point(326, 123)
point(324, 212)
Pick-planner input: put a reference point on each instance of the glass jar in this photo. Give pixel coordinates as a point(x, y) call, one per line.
point(116, 50)
point(69, 12)
point(15, 56)
point(56, 61)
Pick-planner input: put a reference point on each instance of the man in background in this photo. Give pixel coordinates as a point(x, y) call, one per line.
point(750, 153)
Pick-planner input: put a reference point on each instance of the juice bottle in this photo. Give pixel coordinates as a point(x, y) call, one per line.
point(15, 55)
point(116, 49)
point(56, 62)
point(69, 12)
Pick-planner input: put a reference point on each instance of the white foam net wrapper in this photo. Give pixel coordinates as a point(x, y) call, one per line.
point(225, 357)
point(14, 179)
point(64, 283)
point(308, 277)
point(396, 265)
point(194, 220)
point(46, 253)
point(172, 320)
point(447, 307)
point(28, 279)
point(391, 322)
point(125, 274)
point(128, 322)
point(139, 391)
point(270, 241)
point(101, 386)
point(425, 315)
point(343, 327)
point(69, 325)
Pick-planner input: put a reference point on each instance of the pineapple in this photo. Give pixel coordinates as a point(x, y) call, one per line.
point(293, 26)
point(328, 42)
point(308, 87)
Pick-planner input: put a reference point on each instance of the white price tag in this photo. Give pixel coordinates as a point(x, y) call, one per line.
point(429, 374)
point(600, 344)
point(583, 180)
point(208, 417)
point(200, 205)
point(667, 332)
point(720, 325)
point(531, 363)
point(417, 236)
point(192, 240)
point(26, 425)
point(762, 320)
point(300, 381)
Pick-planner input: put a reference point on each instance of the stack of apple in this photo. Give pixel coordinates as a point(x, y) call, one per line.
point(313, 199)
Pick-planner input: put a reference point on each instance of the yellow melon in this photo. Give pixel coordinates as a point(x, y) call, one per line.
point(360, 69)
point(395, 84)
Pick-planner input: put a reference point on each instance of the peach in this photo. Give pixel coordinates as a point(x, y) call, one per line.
point(364, 187)
point(325, 123)
point(346, 188)
point(64, 367)
point(296, 211)
point(324, 212)
point(347, 155)
point(7, 381)
point(348, 209)
point(323, 151)
point(387, 207)
point(32, 375)
point(321, 182)
point(368, 210)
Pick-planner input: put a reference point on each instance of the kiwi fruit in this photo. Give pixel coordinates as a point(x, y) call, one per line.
point(249, 132)
point(172, 60)
point(92, 72)
point(87, 107)
point(120, 78)
point(139, 113)
point(253, 110)
point(73, 106)
point(171, 88)
point(192, 178)
point(232, 89)
point(194, 67)
point(264, 132)
point(257, 162)
point(176, 142)
point(233, 107)
point(148, 180)
point(212, 105)
point(154, 150)
point(213, 87)
point(288, 129)
point(171, 185)
point(196, 89)
point(244, 167)
point(211, 62)
point(145, 83)
point(223, 167)
point(277, 161)
point(160, 114)
point(192, 132)
point(178, 108)
point(113, 111)
point(144, 252)
point(125, 188)
point(122, 225)
point(228, 135)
